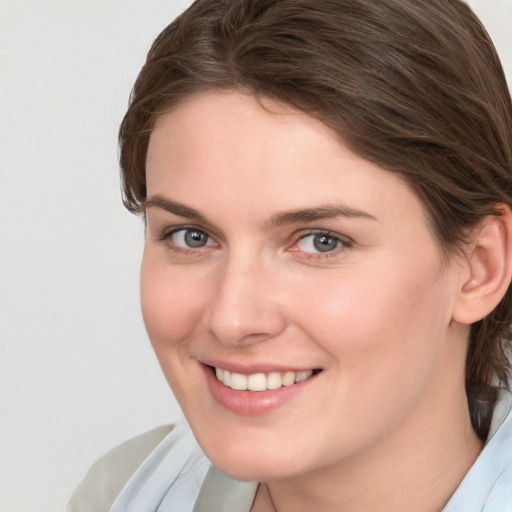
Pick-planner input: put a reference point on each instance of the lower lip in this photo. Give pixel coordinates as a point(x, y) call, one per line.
point(253, 403)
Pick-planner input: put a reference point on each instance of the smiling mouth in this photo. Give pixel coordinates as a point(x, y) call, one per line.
point(261, 381)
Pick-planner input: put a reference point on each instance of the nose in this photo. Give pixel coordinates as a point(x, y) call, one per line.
point(245, 308)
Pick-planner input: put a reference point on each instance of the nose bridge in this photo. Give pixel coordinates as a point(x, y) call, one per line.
point(244, 308)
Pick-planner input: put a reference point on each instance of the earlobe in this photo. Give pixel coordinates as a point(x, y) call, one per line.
point(489, 268)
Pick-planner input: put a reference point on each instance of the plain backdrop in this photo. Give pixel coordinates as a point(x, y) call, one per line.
point(77, 374)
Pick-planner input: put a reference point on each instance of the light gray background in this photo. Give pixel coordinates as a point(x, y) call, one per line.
point(77, 374)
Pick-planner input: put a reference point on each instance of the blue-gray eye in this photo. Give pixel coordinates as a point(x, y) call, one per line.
point(319, 242)
point(190, 238)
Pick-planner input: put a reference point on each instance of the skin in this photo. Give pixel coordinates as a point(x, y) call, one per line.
point(385, 424)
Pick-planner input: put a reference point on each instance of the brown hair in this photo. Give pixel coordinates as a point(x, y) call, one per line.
point(414, 86)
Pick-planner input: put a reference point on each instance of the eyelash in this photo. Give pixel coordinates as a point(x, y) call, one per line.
point(343, 242)
point(170, 232)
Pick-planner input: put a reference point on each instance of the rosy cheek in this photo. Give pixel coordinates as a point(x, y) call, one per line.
point(171, 308)
point(336, 308)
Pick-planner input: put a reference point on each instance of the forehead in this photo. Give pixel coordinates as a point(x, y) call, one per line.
point(211, 118)
point(226, 151)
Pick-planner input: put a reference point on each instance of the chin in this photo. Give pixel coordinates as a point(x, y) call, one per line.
point(252, 461)
point(255, 470)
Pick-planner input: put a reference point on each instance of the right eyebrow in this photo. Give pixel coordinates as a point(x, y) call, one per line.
point(158, 201)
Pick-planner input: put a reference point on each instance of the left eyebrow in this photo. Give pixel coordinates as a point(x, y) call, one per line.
point(327, 211)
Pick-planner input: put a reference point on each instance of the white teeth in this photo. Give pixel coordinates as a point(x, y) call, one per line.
point(238, 381)
point(288, 378)
point(274, 380)
point(260, 381)
point(257, 382)
point(303, 375)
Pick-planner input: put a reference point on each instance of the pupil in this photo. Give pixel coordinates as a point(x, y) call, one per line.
point(325, 243)
point(195, 238)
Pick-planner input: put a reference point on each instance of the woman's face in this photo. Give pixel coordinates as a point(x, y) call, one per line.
point(274, 254)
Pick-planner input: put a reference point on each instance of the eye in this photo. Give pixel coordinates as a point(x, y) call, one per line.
point(190, 238)
point(320, 243)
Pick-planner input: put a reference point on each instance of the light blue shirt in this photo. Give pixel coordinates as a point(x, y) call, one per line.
point(177, 477)
point(487, 486)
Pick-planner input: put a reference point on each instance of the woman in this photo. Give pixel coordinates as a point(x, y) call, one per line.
point(326, 187)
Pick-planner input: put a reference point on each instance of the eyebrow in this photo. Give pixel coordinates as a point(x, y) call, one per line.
point(159, 201)
point(326, 211)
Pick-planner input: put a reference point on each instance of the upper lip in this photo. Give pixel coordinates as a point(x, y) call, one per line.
point(249, 369)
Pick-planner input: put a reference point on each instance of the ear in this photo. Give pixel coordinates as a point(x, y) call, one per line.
point(489, 268)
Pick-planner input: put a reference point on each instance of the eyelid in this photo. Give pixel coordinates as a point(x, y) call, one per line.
point(345, 243)
point(171, 230)
point(166, 236)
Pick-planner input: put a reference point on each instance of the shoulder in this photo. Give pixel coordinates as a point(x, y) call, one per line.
point(108, 475)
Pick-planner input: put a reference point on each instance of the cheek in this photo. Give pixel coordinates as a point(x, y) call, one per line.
point(372, 314)
point(171, 303)
point(384, 337)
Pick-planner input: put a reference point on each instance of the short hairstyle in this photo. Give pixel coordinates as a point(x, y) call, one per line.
point(414, 86)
